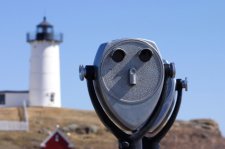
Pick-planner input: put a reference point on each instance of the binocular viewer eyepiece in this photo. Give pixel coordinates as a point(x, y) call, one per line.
point(133, 89)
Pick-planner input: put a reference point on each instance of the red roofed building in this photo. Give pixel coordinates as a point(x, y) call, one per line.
point(57, 140)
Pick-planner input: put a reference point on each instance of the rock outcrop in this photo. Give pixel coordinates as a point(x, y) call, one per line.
point(194, 134)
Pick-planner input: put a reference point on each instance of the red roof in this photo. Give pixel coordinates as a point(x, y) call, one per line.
point(57, 140)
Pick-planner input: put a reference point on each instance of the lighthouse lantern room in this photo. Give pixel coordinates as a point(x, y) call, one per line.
point(44, 81)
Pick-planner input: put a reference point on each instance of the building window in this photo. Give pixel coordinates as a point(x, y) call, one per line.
point(52, 97)
point(2, 99)
point(49, 30)
point(39, 30)
point(56, 138)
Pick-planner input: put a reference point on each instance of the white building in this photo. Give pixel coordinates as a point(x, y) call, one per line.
point(13, 98)
point(44, 78)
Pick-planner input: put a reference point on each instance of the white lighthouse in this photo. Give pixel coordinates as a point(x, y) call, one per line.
point(44, 81)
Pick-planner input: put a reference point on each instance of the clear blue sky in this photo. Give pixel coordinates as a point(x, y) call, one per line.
point(189, 33)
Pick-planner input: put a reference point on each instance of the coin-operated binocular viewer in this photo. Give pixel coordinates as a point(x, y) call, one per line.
point(134, 91)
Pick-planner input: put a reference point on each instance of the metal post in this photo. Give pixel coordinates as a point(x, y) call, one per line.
point(150, 144)
point(134, 144)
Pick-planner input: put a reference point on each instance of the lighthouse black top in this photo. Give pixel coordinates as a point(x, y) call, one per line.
point(44, 32)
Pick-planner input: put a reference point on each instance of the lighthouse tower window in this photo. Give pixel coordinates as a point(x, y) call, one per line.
point(2, 99)
point(39, 29)
point(52, 96)
point(49, 30)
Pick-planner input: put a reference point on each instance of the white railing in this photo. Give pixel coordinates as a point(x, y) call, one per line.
point(13, 126)
point(16, 125)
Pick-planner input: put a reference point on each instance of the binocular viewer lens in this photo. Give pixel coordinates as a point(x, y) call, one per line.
point(145, 55)
point(118, 55)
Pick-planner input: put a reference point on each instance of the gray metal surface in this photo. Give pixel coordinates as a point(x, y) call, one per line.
point(166, 110)
point(128, 90)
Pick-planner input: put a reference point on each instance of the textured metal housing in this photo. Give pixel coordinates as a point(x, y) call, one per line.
point(127, 104)
point(167, 108)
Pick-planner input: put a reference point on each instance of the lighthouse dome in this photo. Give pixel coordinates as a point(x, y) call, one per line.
point(44, 32)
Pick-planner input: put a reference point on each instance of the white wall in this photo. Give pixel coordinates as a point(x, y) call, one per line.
point(44, 74)
point(15, 99)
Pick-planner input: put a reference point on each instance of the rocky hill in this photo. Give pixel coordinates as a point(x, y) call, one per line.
point(86, 131)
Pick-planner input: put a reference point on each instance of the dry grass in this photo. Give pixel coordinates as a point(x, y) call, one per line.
point(183, 135)
point(44, 120)
point(12, 114)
